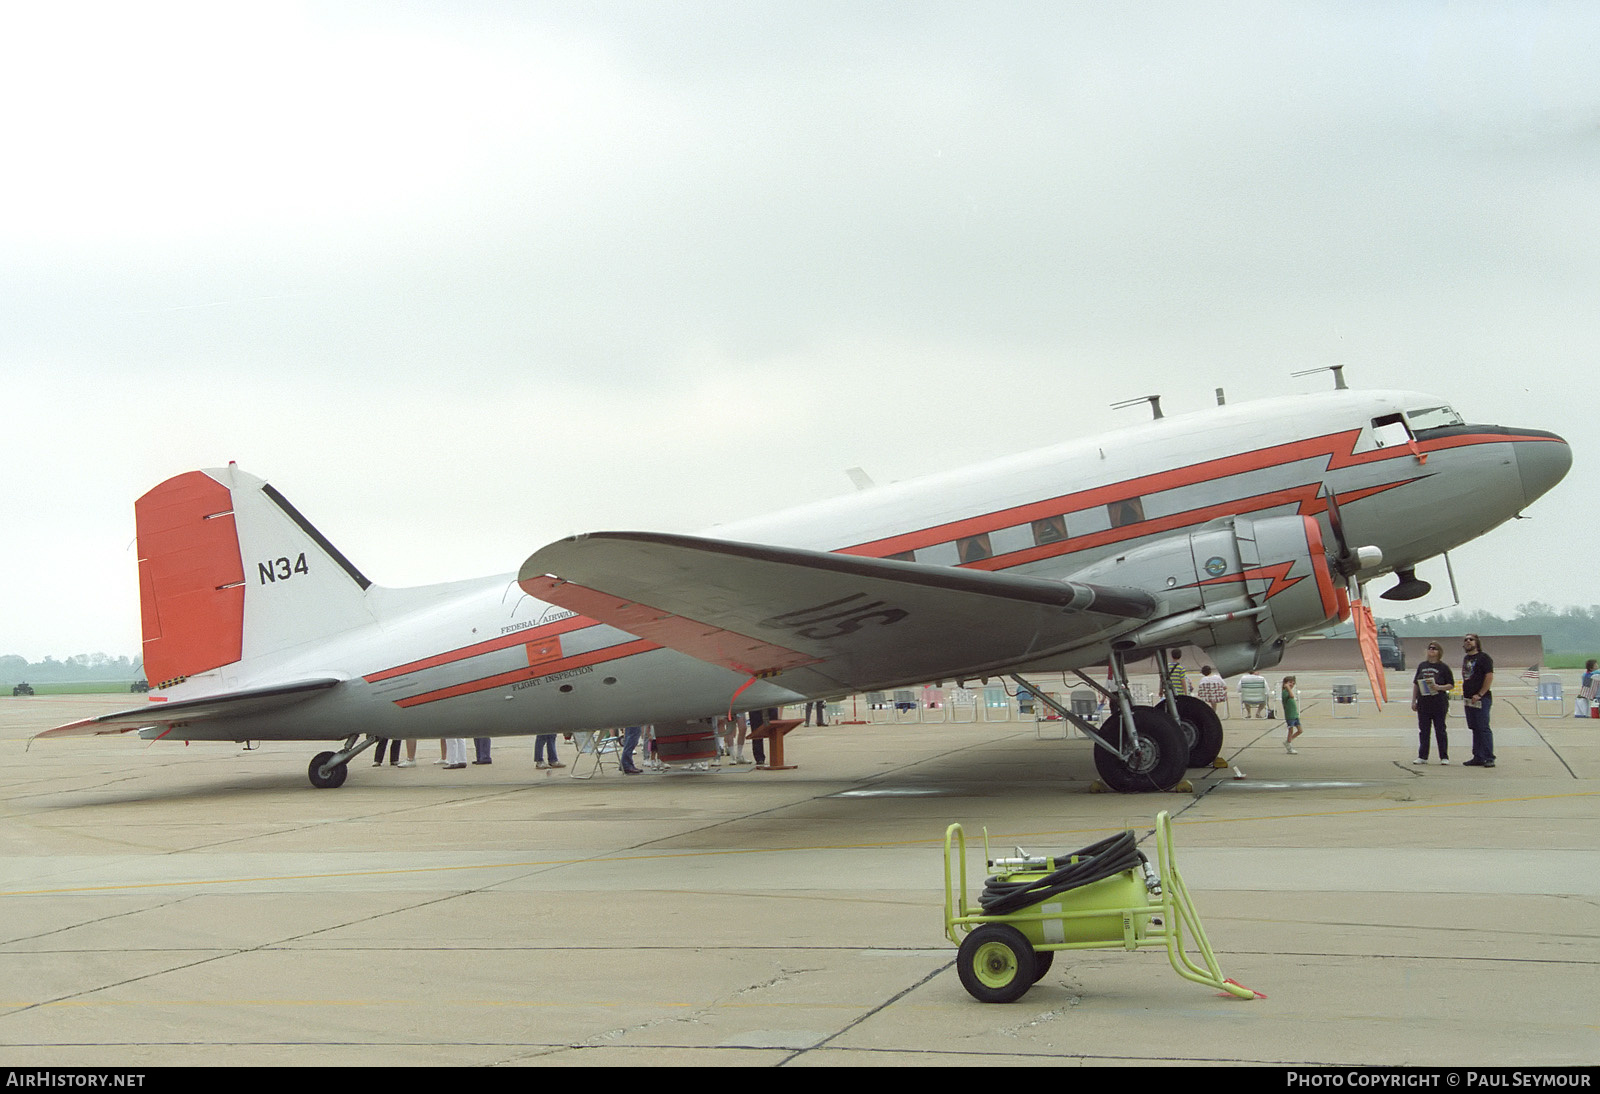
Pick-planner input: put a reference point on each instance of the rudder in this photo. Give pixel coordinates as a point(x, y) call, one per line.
point(229, 571)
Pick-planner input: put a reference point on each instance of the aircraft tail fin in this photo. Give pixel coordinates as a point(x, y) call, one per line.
point(230, 571)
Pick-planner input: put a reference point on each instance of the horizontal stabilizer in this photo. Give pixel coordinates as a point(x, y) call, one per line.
point(858, 622)
point(231, 704)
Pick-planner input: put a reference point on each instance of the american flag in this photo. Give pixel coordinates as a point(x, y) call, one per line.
point(1532, 674)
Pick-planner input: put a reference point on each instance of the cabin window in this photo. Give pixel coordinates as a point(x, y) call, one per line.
point(1390, 430)
point(903, 556)
point(1049, 530)
point(1126, 512)
point(940, 554)
point(974, 548)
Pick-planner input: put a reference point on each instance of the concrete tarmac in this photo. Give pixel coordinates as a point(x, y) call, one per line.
point(167, 904)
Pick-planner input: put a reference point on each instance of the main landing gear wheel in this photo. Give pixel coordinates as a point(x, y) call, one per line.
point(1201, 727)
point(996, 964)
point(1157, 764)
point(335, 778)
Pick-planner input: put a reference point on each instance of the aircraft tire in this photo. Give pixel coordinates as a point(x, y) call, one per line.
point(1204, 727)
point(335, 778)
point(1162, 758)
point(996, 964)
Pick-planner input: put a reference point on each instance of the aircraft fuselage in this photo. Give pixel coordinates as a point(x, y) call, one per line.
point(482, 658)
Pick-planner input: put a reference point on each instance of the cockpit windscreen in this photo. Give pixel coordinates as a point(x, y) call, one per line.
point(1432, 417)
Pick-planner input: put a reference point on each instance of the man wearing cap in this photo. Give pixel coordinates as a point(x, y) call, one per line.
point(1477, 676)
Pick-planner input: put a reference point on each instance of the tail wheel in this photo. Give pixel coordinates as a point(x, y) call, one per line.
point(334, 778)
point(996, 964)
point(1202, 727)
point(1157, 764)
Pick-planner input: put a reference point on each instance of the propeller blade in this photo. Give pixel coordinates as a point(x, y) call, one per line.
point(1367, 641)
point(1336, 522)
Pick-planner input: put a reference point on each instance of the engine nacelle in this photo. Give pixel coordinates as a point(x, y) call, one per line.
point(1240, 588)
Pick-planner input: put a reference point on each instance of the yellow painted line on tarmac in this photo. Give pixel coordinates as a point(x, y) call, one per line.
point(354, 1003)
point(1183, 822)
point(302, 877)
point(668, 855)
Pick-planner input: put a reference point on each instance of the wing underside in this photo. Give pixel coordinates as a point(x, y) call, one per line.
point(825, 621)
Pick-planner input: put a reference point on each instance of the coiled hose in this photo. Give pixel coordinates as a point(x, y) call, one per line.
point(1109, 857)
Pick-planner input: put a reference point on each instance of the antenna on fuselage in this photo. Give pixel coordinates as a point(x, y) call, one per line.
point(1338, 375)
point(1153, 400)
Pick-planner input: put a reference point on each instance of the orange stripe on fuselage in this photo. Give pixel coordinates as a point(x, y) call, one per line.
point(504, 642)
point(1331, 445)
point(521, 675)
point(1336, 447)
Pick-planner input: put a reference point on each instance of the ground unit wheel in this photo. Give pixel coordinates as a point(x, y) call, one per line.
point(1205, 727)
point(333, 779)
point(996, 964)
point(1042, 960)
point(1157, 764)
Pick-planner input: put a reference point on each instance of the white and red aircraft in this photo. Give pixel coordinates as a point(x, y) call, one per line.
point(1235, 529)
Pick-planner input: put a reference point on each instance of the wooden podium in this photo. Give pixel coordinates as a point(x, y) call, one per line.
point(773, 733)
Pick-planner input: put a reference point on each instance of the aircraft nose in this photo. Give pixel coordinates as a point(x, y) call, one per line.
point(1542, 463)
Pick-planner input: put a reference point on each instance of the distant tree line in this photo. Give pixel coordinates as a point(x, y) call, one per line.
point(1571, 631)
point(1566, 630)
point(79, 668)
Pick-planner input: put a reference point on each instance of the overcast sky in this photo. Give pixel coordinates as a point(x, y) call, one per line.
point(460, 278)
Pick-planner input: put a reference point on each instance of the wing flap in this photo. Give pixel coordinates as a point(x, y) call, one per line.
point(205, 709)
point(857, 622)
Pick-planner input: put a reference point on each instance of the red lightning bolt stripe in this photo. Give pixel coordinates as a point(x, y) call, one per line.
point(1278, 575)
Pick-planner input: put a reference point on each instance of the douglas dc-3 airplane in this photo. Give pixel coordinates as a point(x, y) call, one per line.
point(1234, 529)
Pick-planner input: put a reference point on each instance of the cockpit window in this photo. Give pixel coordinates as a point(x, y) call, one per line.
point(1389, 430)
point(1432, 417)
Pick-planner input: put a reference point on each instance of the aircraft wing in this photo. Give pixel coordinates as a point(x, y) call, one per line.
point(856, 623)
point(227, 705)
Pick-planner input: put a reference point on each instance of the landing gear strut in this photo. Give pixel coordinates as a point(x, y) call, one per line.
point(328, 769)
point(1137, 748)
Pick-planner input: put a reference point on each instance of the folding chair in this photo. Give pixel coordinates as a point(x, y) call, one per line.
point(604, 746)
point(996, 704)
point(1084, 703)
point(1047, 724)
point(879, 710)
point(906, 707)
point(1346, 698)
point(1253, 691)
point(963, 705)
point(1550, 692)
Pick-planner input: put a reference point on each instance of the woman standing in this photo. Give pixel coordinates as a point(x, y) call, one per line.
point(1430, 698)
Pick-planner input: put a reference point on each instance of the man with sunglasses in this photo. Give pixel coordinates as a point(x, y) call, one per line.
point(1477, 676)
point(1430, 698)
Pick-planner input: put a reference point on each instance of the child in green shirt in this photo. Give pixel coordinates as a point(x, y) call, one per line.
point(1291, 714)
